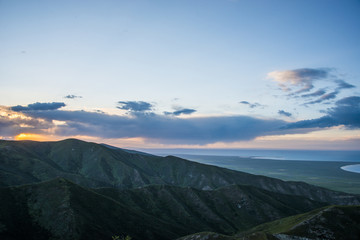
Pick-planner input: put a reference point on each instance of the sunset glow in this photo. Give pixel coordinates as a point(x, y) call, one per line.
point(231, 74)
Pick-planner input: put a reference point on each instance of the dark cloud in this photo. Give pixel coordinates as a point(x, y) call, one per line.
point(314, 94)
point(39, 106)
point(11, 124)
point(72, 96)
point(251, 105)
point(185, 111)
point(346, 112)
point(135, 106)
point(343, 85)
point(160, 128)
point(284, 113)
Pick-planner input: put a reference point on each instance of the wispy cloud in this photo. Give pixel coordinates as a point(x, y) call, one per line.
point(343, 85)
point(72, 96)
point(325, 97)
point(184, 111)
point(302, 79)
point(318, 93)
point(296, 83)
point(251, 105)
point(284, 113)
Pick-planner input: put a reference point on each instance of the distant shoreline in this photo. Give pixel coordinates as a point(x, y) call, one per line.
point(352, 168)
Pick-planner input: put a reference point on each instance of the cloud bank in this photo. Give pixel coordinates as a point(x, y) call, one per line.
point(346, 112)
point(154, 127)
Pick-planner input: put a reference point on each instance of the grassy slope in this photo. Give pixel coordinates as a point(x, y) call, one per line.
point(60, 209)
point(225, 210)
point(331, 222)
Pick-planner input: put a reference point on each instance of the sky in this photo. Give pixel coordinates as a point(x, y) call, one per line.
point(183, 73)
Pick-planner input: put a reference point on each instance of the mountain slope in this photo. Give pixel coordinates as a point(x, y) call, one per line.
point(328, 223)
point(332, 222)
point(226, 210)
point(60, 209)
point(94, 165)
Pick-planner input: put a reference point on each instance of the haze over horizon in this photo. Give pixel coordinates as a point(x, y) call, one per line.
point(182, 74)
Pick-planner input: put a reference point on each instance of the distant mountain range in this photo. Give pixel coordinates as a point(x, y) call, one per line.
point(79, 190)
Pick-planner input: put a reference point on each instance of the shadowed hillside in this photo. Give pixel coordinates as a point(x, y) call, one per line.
point(328, 223)
point(78, 190)
point(93, 165)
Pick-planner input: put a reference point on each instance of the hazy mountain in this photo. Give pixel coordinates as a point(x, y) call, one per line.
point(94, 165)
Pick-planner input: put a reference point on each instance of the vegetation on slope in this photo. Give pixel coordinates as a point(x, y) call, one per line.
point(93, 165)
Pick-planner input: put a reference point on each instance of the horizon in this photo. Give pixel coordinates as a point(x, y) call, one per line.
point(219, 74)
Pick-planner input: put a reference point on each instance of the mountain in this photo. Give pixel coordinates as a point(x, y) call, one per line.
point(93, 165)
point(327, 223)
point(78, 190)
point(60, 209)
point(331, 222)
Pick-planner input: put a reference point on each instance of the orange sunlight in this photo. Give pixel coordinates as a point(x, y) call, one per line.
point(32, 136)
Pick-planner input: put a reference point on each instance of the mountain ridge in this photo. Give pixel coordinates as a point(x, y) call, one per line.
point(93, 165)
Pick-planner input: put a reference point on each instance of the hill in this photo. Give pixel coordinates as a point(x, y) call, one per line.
point(93, 165)
point(61, 209)
point(327, 223)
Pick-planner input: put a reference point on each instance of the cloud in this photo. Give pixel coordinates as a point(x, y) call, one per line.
point(72, 96)
point(300, 81)
point(284, 113)
point(154, 127)
point(135, 106)
point(346, 112)
point(302, 78)
point(324, 97)
point(39, 106)
point(343, 85)
point(13, 123)
point(185, 111)
point(251, 105)
point(314, 94)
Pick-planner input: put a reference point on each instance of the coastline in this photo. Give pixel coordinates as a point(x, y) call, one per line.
point(355, 168)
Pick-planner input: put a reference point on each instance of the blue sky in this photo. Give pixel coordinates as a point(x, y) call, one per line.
point(224, 73)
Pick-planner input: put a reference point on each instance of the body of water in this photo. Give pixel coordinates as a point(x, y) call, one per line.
point(305, 155)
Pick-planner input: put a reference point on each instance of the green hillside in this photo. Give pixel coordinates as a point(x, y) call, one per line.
point(78, 190)
point(93, 165)
point(61, 209)
point(327, 223)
